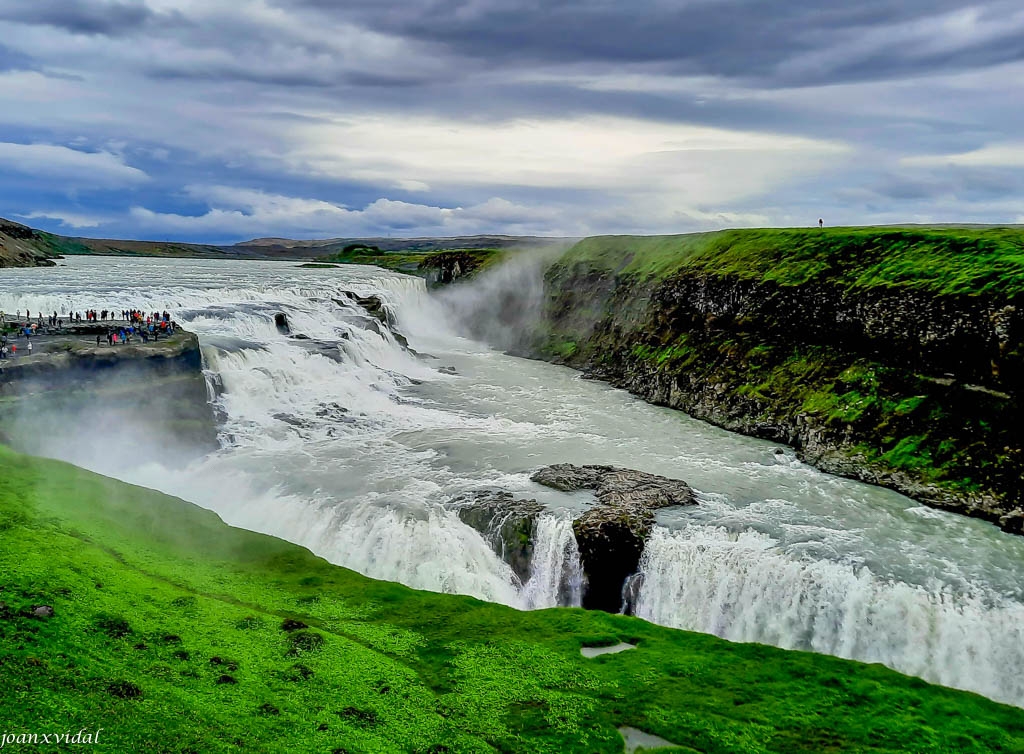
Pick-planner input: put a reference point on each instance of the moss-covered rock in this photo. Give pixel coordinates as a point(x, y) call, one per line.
point(508, 524)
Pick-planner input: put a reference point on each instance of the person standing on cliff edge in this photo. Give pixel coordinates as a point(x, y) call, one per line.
point(821, 223)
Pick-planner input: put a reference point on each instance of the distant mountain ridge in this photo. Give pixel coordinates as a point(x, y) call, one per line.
point(22, 246)
point(425, 243)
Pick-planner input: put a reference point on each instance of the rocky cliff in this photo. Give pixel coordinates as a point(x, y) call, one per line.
point(73, 398)
point(891, 356)
point(448, 267)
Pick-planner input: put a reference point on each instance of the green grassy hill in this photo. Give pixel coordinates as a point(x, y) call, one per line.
point(21, 246)
point(942, 260)
point(175, 633)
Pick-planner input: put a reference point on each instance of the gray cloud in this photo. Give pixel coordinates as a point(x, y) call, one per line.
point(655, 115)
point(969, 184)
point(755, 40)
point(79, 16)
point(13, 60)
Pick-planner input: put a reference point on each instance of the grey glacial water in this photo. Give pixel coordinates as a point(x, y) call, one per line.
point(352, 446)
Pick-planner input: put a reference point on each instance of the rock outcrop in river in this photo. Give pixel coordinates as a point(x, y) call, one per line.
point(610, 535)
point(509, 526)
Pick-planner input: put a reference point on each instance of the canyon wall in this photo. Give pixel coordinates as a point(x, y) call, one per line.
point(894, 357)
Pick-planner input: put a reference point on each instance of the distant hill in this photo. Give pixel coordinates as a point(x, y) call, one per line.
point(21, 246)
point(329, 246)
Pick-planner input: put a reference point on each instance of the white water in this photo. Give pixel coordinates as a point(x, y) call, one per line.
point(744, 587)
point(348, 444)
point(556, 577)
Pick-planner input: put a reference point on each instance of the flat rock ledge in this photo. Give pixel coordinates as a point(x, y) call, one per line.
point(610, 536)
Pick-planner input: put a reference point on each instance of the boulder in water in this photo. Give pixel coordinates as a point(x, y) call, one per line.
point(374, 305)
point(375, 308)
point(281, 323)
point(612, 534)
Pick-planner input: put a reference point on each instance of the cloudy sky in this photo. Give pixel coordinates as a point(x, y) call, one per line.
point(220, 120)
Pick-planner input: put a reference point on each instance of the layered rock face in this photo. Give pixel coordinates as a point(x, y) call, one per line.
point(509, 526)
point(449, 266)
point(151, 397)
point(610, 536)
point(900, 387)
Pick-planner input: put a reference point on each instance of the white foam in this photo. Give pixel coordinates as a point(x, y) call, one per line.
point(743, 587)
point(614, 649)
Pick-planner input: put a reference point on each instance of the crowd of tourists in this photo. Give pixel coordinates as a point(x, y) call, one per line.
point(121, 328)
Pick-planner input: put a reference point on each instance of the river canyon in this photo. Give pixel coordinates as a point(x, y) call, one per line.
point(357, 436)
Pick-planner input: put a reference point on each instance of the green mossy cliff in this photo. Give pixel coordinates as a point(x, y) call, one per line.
point(127, 611)
point(891, 355)
point(438, 268)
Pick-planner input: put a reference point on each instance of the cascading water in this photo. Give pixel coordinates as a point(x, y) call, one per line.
point(556, 576)
point(338, 437)
point(743, 587)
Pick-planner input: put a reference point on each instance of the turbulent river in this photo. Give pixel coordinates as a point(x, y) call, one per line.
point(351, 445)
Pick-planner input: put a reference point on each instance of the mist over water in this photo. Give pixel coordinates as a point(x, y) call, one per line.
point(348, 443)
point(502, 301)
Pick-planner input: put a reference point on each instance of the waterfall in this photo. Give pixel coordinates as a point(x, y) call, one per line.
point(556, 575)
point(339, 437)
point(742, 588)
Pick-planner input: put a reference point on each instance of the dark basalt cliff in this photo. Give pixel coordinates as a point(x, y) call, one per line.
point(448, 267)
point(509, 526)
point(898, 385)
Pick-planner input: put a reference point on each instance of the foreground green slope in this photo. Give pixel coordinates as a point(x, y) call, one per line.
point(174, 632)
